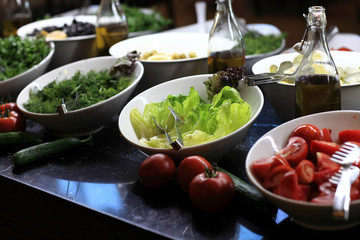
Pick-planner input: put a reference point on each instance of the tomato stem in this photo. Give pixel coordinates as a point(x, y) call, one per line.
point(211, 173)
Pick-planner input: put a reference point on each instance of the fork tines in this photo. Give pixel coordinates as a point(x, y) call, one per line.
point(347, 153)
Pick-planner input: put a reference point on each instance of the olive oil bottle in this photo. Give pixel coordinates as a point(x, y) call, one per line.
point(317, 84)
point(225, 45)
point(13, 15)
point(111, 25)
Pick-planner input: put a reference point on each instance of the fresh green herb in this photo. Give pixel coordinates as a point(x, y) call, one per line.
point(79, 91)
point(138, 20)
point(262, 44)
point(17, 55)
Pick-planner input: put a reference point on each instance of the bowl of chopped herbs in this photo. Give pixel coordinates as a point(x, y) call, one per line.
point(22, 60)
point(81, 97)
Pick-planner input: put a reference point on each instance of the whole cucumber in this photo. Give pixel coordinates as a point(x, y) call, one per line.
point(45, 150)
point(17, 138)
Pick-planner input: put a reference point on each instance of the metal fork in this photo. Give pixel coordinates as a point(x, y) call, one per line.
point(174, 144)
point(178, 120)
point(346, 156)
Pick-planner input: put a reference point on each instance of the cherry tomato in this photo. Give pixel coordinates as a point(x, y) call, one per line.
point(308, 132)
point(11, 121)
point(305, 171)
point(323, 146)
point(157, 170)
point(188, 168)
point(349, 135)
point(326, 134)
point(323, 162)
point(295, 151)
point(211, 190)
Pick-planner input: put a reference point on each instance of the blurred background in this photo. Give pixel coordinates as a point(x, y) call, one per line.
point(285, 14)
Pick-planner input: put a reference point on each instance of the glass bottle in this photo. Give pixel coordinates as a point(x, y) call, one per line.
point(14, 14)
point(225, 45)
point(111, 25)
point(317, 82)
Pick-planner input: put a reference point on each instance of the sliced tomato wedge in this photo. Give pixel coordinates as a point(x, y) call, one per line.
point(295, 151)
point(323, 162)
point(323, 199)
point(326, 134)
point(305, 171)
point(323, 146)
point(349, 135)
point(261, 167)
point(275, 176)
point(290, 188)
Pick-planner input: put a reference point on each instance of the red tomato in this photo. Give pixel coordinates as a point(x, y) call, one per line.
point(211, 190)
point(323, 199)
point(305, 171)
point(262, 167)
point(326, 134)
point(295, 151)
point(11, 106)
point(308, 132)
point(11, 121)
point(344, 49)
point(349, 135)
point(290, 188)
point(323, 162)
point(188, 168)
point(157, 170)
point(323, 146)
point(275, 176)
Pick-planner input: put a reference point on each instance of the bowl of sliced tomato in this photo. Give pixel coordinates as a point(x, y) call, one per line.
point(291, 165)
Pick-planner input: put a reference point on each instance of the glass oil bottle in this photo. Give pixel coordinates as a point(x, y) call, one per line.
point(13, 15)
point(317, 84)
point(225, 45)
point(111, 25)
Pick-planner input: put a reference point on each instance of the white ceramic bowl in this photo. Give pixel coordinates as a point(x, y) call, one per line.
point(316, 216)
point(282, 95)
point(160, 71)
point(213, 150)
point(70, 49)
point(86, 120)
point(180, 42)
point(12, 86)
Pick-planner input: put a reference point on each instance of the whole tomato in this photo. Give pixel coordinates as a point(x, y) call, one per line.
point(211, 190)
point(157, 170)
point(11, 121)
point(188, 168)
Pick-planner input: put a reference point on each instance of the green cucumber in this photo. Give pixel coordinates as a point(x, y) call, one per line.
point(12, 138)
point(251, 196)
point(45, 150)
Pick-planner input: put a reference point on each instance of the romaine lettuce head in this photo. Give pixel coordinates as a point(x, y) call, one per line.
point(203, 122)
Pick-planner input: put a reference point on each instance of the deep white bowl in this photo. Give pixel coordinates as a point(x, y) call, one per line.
point(213, 150)
point(12, 86)
point(316, 216)
point(282, 95)
point(180, 42)
point(160, 71)
point(86, 120)
point(70, 49)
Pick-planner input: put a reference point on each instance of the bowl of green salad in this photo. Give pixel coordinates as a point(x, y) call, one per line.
point(22, 61)
point(213, 123)
point(81, 97)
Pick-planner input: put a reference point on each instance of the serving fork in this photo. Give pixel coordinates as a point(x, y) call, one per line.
point(347, 155)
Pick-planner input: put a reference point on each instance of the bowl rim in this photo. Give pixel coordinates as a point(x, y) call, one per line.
point(251, 120)
point(59, 69)
point(161, 34)
point(35, 67)
point(60, 21)
point(256, 182)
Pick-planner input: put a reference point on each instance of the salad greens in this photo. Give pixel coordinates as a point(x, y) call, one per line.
point(138, 20)
point(204, 122)
point(262, 44)
point(17, 55)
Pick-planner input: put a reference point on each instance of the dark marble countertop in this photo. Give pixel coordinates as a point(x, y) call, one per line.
point(94, 192)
